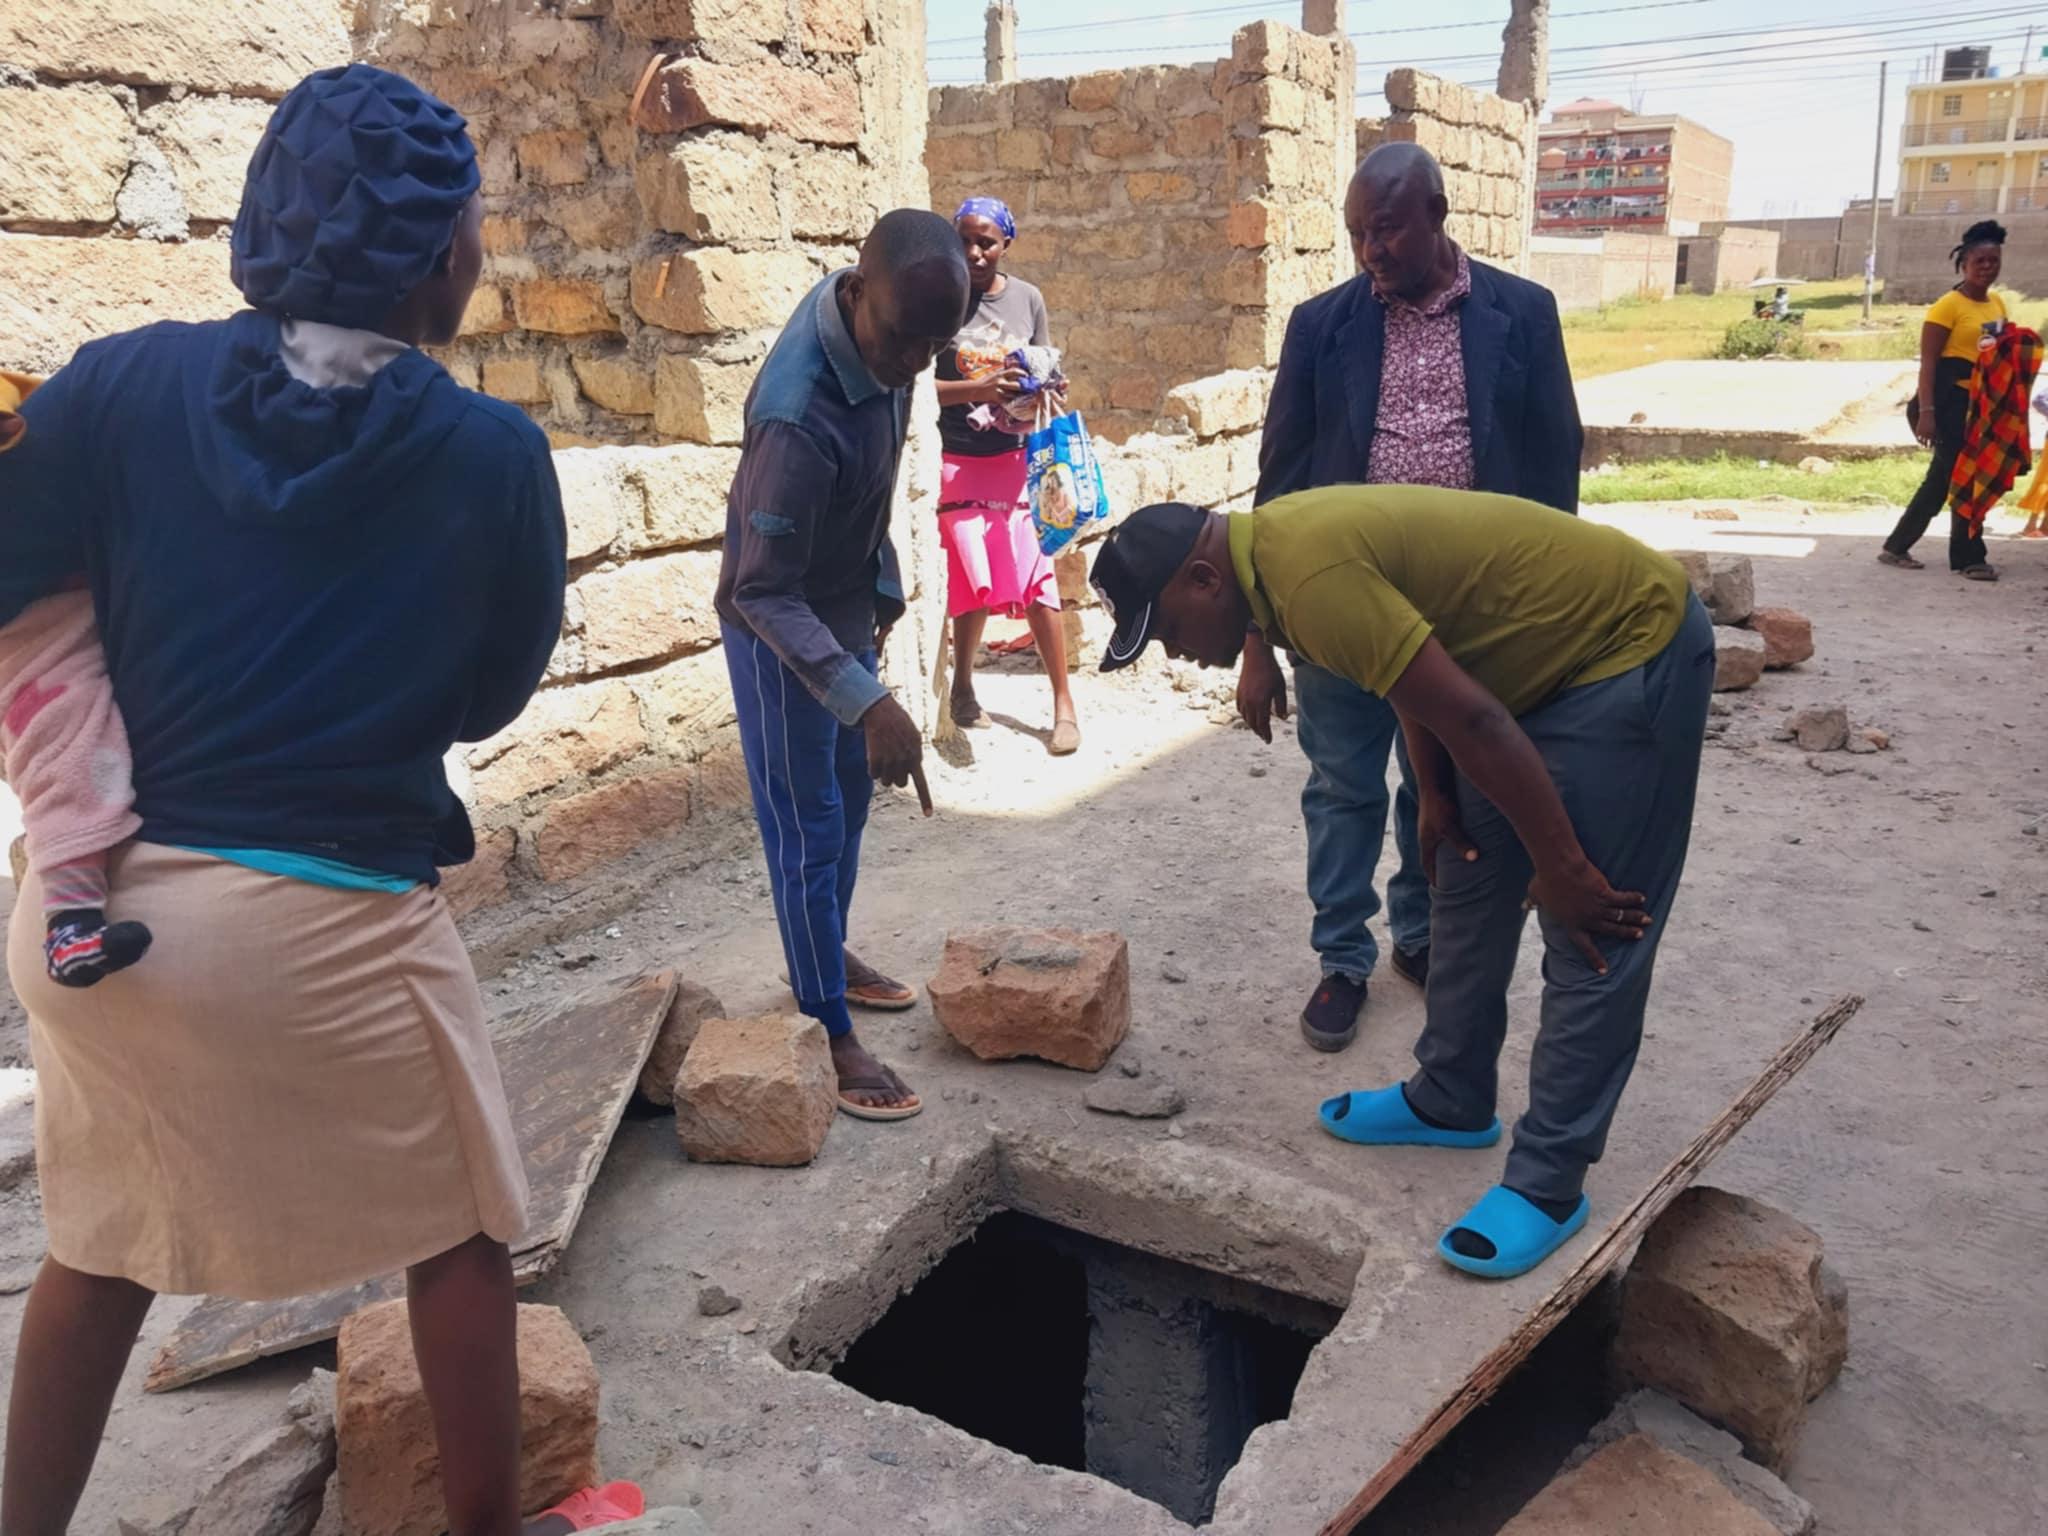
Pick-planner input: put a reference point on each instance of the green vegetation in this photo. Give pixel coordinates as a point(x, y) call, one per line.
point(1636, 331)
point(1869, 481)
point(1763, 338)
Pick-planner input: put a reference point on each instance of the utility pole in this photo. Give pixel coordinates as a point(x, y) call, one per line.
point(1876, 171)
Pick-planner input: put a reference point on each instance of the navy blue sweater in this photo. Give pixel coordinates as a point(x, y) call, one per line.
point(307, 596)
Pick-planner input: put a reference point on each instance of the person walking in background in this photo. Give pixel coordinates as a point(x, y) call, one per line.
point(279, 519)
point(1951, 338)
point(807, 594)
point(993, 562)
point(2034, 500)
point(1428, 368)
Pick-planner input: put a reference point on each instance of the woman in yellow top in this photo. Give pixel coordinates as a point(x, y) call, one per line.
point(1958, 324)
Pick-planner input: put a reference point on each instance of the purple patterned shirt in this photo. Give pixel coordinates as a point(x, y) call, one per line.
point(1424, 432)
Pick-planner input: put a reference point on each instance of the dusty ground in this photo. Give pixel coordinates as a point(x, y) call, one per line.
point(1914, 1144)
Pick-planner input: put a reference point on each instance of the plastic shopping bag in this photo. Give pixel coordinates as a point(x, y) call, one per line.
point(1065, 481)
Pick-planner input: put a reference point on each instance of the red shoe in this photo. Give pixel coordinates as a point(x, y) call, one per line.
point(600, 1506)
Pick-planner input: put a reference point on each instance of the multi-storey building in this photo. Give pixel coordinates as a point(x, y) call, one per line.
point(1601, 168)
point(1974, 142)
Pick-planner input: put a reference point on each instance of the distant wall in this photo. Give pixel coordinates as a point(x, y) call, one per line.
point(1588, 271)
point(1913, 256)
point(1487, 149)
point(1173, 215)
point(1734, 258)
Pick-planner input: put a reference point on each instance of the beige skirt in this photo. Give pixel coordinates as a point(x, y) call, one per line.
point(293, 1091)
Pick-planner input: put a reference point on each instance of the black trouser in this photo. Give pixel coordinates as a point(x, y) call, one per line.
point(1951, 413)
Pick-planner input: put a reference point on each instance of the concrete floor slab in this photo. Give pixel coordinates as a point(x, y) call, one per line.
point(1780, 410)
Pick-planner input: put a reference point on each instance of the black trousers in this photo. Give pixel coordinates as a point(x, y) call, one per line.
point(1951, 413)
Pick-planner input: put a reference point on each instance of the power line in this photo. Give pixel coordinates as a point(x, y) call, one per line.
point(1124, 21)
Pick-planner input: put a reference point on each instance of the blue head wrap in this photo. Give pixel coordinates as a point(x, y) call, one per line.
point(993, 209)
point(352, 197)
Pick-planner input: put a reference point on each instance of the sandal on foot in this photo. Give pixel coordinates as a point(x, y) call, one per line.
point(1066, 738)
point(1978, 573)
point(868, 988)
point(1382, 1117)
point(888, 1082)
point(594, 1507)
point(967, 712)
point(1521, 1236)
point(1902, 562)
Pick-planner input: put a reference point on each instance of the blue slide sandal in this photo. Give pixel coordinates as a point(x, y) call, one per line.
point(1382, 1118)
point(1522, 1236)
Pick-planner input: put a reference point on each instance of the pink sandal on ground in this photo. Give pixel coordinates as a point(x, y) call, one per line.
point(594, 1507)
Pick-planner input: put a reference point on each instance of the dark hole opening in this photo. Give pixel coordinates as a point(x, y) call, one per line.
point(1088, 1355)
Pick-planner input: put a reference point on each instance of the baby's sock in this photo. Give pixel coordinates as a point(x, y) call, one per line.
point(80, 947)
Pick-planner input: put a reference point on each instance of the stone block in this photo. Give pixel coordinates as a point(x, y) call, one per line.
point(563, 306)
point(599, 500)
point(555, 157)
point(487, 313)
point(389, 1480)
point(275, 1484)
point(1685, 1434)
point(1022, 149)
point(1414, 90)
point(1268, 163)
point(64, 154)
point(514, 378)
point(1056, 994)
point(649, 609)
point(1725, 583)
point(1636, 1485)
point(1730, 1309)
point(243, 50)
point(1224, 402)
point(687, 704)
point(686, 1015)
point(1255, 223)
point(1196, 138)
point(715, 187)
point(965, 106)
point(1738, 658)
point(605, 221)
point(711, 289)
point(1315, 61)
point(206, 141)
point(689, 21)
point(1256, 336)
point(565, 733)
point(599, 826)
point(1262, 48)
point(1788, 636)
point(1241, 281)
point(504, 235)
point(616, 382)
point(701, 401)
point(1201, 475)
point(959, 154)
point(1312, 227)
point(761, 1091)
point(1136, 390)
point(1060, 195)
point(1185, 348)
point(1147, 188)
point(759, 96)
point(832, 26)
point(685, 490)
point(823, 197)
point(1269, 103)
point(1096, 92)
point(1823, 728)
point(486, 879)
point(1118, 139)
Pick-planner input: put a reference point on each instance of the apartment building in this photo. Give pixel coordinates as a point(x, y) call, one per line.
point(1974, 142)
point(1602, 169)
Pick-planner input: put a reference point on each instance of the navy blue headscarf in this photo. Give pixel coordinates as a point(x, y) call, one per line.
point(352, 197)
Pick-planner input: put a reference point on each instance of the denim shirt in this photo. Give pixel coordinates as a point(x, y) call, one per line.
point(808, 563)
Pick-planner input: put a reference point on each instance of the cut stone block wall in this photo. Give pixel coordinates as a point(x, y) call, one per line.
point(1487, 149)
point(1587, 271)
point(1734, 258)
point(1173, 215)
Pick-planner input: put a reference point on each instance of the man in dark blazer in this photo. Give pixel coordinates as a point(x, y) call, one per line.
point(1427, 368)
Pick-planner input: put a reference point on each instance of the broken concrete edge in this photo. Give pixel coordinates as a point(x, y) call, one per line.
point(1685, 1433)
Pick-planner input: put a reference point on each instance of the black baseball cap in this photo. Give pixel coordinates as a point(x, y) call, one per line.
point(1137, 560)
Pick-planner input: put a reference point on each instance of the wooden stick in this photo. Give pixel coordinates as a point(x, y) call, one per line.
point(1605, 1255)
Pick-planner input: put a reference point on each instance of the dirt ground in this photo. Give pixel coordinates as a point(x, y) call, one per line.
point(1914, 1144)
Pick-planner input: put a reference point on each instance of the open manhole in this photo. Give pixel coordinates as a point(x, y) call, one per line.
point(1085, 1354)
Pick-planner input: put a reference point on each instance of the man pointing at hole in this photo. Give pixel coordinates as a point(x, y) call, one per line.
point(807, 594)
point(1552, 679)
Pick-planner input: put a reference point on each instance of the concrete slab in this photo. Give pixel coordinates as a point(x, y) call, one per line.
point(1767, 410)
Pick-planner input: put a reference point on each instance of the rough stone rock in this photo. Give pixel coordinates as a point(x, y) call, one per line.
point(716, 1301)
point(760, 1090)
point(1788, 637)
point(1731, 589)
point(583, 831)
point(1224, 402)
point(277, 1482)
point(684, 21)
point(701, 401)
point(61, 292)
point(1868, 740)
point(711, 289)
point(1635, 1485)
point(1823, 728)
point(760, 97)
point(390, 1468)
point(206, 142)
point(1688, 1435)
point(616, 383)
point(709, 186)
point(563, 306)
point(1140, 1099)
point(1730, 1309)
point(1055, 993)
point(242, 50)
point(1738, 658)
point(686, 1015)
point(64, 154)
point(564, 732)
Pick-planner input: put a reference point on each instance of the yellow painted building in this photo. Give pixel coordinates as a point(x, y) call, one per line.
point(1975, 146)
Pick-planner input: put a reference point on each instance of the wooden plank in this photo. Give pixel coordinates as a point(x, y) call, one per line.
point(1605, 1255)
point(568, 1073)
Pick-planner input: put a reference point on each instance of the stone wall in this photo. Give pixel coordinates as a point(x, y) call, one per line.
point(1913, 255)
point(1734, 258)
point(1486, 147)
point(1173, 216)
point(1588, 271)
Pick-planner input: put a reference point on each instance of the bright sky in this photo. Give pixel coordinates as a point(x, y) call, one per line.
point(1792, 82)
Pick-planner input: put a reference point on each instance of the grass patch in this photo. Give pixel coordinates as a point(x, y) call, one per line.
point(1889, 481)
point(1692, 325)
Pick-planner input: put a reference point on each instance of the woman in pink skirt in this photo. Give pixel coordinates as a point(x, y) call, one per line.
point(994, 564)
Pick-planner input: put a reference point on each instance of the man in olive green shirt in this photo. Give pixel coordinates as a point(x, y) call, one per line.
point(1552, 679)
